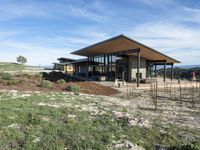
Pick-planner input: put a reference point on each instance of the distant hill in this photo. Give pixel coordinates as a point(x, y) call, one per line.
point(188, 66)
point(11, 66)
point(182, 72)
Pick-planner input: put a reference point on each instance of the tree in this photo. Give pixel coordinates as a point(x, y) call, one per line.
point(21, 59)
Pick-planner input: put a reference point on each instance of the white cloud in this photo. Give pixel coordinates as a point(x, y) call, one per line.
point(11, 10)
point(46, 50)
point(175, 40)
point(191, 14)
point(86, 13)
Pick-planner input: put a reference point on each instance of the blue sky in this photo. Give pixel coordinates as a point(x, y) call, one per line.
point(43, 30)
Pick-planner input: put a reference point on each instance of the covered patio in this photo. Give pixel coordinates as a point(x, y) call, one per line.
point(123, 57)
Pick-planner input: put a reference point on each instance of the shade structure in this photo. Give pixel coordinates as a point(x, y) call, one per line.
point(123, 43)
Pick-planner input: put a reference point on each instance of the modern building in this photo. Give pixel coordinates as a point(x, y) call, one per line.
point(123, 58)
point(65, 65)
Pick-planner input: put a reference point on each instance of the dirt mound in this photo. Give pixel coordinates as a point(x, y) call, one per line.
point(33, 83)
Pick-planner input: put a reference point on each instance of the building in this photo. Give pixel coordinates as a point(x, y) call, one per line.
point(64, 65)
point(123, 58)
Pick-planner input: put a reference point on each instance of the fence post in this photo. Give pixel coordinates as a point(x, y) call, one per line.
point(180, 94)
point(170, 91)
point(127, 89)
point(151, 89)
point(193, 95)
point(174, 91)
point(156, 95)
point(196, 85)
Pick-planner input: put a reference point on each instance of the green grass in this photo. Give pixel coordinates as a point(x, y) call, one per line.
point(40, 121)
point(5, 66)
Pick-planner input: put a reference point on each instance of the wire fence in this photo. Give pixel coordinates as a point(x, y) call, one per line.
point(181, 92)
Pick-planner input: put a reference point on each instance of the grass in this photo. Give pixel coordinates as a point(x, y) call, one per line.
point(41, 121)
point(5, 66)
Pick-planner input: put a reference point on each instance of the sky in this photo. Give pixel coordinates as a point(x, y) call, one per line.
point(44, 30)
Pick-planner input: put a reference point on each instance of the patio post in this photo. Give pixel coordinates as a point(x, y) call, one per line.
point(138, 68)
point(164, 75)
point(155, 70)
point(172, 71)
point(108, 65)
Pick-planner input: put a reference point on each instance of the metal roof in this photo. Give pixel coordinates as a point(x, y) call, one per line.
point(122, 43)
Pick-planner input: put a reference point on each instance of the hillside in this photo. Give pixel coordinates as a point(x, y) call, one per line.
point(15, 67)
point(8, 66)
point(38, 120)
point(182, 73)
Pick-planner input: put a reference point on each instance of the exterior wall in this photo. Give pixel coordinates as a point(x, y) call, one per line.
point(84, 69)
point(133, 67)
point(81, 69)
point(68, 69)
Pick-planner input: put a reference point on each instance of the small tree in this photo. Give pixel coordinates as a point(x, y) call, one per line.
point(21, 59)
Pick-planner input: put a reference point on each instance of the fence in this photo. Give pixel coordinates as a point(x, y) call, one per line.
point(182, 92)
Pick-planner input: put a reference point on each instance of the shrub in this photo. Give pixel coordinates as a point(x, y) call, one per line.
point(46, 84)
point(73, 88)
point(39, 75)
point(23, 80)
point(13, 82)
point(6, 76)
point(61, 82)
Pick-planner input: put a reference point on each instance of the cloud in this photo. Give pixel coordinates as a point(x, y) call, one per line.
point(86, 13)
point(12, 9)
point(174, 39)
point(93, 11)
point(46, 50)
point(6, 33)
point(191, 14)
point(45, 30)
point(158, 3)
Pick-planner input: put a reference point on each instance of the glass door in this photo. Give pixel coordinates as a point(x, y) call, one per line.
point(122, 67)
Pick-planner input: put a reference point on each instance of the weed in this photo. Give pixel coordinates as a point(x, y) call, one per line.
point(73, 88)
point(61, 82)
point(6, 76)
point(12, 82)
point(125, 109)
point(47, 84)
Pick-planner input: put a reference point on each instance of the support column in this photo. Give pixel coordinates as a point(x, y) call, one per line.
point(93, 68)
point(164, 75)
point(104, 64)
point(150, 70)
point(108, 65)
point(172, 71)
point(138, 68)
point(87, 67)
point(155, 70)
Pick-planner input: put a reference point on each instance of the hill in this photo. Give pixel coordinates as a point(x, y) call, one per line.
point(11, 66)
point(182, 73)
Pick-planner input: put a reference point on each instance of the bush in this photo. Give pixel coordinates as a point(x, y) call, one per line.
point(39, 75)
point(13, 82)
point(6, 76)
point(73, 88)
point(46, 84)
point(61, 82)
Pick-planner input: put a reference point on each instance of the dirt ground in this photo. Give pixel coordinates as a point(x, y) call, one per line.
point(27, 82)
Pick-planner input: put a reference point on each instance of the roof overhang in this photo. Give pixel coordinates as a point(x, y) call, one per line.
point(123, 43)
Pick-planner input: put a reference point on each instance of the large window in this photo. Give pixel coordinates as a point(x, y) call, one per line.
point(111, 65)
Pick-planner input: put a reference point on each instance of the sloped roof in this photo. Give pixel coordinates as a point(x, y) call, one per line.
point(123, 43)
point(67, 59)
